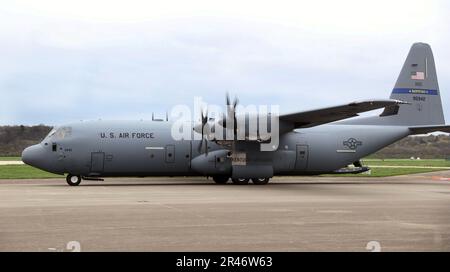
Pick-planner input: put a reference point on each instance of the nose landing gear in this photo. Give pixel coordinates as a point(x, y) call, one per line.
point(73, 180)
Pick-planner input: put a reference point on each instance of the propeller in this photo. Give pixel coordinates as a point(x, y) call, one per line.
point(204, 125)
point(231, 111)
point(204, 128)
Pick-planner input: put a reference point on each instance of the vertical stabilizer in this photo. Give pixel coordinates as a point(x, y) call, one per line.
point(418, 85)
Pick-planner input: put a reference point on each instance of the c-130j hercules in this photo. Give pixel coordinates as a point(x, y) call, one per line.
point(310, 142)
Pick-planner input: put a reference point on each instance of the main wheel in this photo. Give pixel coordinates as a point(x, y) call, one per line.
point(240, 181)
point(260, 181)
point(221, 179)
point(73, 180)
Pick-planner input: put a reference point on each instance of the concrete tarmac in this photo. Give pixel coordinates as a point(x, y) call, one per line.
point(404, 213)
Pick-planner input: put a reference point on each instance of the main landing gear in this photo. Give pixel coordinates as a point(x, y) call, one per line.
point(73, 180)
point(221, 179)
point(240, 181)
point(260, 181)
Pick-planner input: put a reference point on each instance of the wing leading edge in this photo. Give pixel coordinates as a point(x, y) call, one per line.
point(317, 117)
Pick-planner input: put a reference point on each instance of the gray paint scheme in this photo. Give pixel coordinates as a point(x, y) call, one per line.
point(308, 146)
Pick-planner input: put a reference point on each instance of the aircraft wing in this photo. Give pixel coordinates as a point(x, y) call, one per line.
point(428, 129)
point(317, 117)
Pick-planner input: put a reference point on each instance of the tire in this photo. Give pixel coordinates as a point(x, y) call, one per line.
point(240, 181)
point(221, 179)
point(73, 180)
point(260, 181)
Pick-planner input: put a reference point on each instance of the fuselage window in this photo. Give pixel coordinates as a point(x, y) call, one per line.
point(54, 147)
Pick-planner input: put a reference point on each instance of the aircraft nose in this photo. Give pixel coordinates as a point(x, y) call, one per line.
point(32, 155)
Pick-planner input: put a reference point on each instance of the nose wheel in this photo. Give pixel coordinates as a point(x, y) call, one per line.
point(73, 180)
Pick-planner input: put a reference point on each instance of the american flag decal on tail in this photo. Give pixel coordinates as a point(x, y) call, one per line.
point(418, 75)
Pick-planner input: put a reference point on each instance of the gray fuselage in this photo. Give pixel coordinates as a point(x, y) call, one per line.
point(146, 148)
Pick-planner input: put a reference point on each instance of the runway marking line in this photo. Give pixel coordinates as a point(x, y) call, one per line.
point(11, 163)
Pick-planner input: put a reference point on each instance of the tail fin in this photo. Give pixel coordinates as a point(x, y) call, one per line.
point(418, 85)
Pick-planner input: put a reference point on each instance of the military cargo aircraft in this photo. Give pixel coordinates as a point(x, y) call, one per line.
point(310, 142)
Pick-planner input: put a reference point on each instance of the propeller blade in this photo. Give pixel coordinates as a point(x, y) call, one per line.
point(199, 148)
point(204, 124)
point(231, 111)
point(206, 117)
point(231, 106)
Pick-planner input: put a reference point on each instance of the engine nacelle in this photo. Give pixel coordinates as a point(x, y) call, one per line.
point(249, 127)
point(215, 163)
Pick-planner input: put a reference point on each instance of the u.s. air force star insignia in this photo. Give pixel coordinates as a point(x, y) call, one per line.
point(352, 143)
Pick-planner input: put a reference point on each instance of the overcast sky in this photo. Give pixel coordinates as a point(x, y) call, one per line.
point(64, 61)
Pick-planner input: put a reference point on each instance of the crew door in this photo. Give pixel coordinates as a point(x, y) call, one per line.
point(97, 162)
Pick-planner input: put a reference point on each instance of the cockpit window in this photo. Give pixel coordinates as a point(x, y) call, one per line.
point(50, 134)
point(63, 132)
point(60, 133)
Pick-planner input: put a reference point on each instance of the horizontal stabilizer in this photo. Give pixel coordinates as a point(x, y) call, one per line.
point(428, 129)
